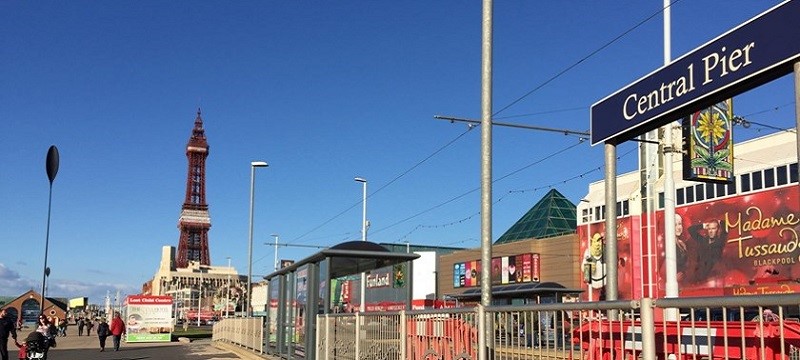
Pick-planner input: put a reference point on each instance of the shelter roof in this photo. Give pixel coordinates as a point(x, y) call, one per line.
point(518, 289)
point(351, 257)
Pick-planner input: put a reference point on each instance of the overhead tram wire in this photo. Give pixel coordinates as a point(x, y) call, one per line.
point(451, 142)
point(451, 223)
point(506, 107)
point(562, 72)
point(581, 141)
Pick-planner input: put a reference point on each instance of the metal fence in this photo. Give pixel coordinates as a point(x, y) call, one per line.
point(245, 332)
point(763, 327)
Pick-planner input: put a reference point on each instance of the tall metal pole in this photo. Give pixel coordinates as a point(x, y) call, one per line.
point(797, 110)
point(253, 166)
point(670, 242)
point(486, 172)
point(363, 306)
point(200, 297)
point(51, 165)
point(611, 257)
point(228, 293)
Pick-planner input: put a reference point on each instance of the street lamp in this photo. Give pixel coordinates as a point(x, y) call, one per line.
point(363, 181)
point(253, 166)
point(51, 165)
point(200, 298)
point(228, 294)
point(276, 250)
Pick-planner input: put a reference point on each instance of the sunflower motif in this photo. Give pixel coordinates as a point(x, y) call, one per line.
point(711, 127)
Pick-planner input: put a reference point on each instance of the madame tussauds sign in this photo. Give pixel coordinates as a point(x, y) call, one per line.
point(749, 55)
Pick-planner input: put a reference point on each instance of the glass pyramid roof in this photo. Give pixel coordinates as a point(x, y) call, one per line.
point(553, 215)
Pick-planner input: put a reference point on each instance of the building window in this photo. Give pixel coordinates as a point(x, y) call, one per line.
point(745, 179)
point(757, 180)
point(769, 178)
point(661, 200)
point(781, 175)
point(689, 195)
point(586, 215)
point(732, 187)
point(720, 190)
point(699, 192)
point(793, 173)
point(710, 191)
point(679, 197)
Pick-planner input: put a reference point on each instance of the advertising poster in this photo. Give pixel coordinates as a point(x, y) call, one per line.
point(497, 265)
point(476, 273)
point(526, 268)
point(594, 265)
point(535, 268)
point(148, 318)
point(468, 274)
point(456, 275)
point(504, 269)
point(743, 245)
point(512, 270)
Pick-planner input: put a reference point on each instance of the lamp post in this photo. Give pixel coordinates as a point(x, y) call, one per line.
point(51, 165)
point(253, 166)
point(363, 182)
point(276, 250)
point(228, 293)
point(200, 298)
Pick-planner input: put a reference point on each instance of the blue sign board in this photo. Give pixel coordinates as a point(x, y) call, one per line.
point(758, 51)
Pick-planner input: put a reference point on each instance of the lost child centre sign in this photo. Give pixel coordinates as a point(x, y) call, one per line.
point(749, 55)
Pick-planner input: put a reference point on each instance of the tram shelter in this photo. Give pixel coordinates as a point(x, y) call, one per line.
point(297, 293)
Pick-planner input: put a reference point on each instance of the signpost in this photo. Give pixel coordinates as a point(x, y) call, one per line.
point(755, 52)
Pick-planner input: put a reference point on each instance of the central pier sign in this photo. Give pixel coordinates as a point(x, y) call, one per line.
point(758, 51)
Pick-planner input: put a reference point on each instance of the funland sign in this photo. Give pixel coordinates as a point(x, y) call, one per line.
point(749, 55)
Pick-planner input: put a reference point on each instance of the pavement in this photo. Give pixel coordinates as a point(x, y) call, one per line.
point(73, 341)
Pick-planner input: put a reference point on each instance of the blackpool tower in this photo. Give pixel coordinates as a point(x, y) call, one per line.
point(195, 220)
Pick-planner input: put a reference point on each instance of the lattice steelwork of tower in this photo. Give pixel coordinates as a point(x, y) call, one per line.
point(195, 220)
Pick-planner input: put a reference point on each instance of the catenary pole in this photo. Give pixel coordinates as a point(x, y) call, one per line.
point(486, 171)
point(670, 243)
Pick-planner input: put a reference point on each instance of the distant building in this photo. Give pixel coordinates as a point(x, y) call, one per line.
point(529, 261)
point(212, 288)
point(27, 307)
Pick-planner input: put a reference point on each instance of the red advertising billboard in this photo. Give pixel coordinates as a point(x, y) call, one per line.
point(594, 267)
point(725, 246)
point(746, 244)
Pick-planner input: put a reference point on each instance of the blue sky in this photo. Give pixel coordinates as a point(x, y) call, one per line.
point(324, 92)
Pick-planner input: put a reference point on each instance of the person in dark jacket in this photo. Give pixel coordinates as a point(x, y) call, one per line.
point(7, 327)
point(102, 333)
point(117, 329)
point(81, 324)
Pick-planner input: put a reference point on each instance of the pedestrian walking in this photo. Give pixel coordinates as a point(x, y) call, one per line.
point(117, 329)
point(102, 333)
point(89, 326)
point(81, 324)
point(7, 327)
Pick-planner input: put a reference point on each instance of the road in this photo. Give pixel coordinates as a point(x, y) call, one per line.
point(88, 348)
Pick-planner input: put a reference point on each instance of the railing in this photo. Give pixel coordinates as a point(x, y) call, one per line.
point(245, 332)
point(647, 329)
point(673, 329)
